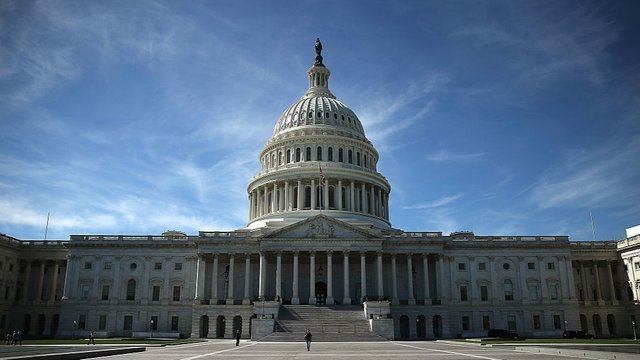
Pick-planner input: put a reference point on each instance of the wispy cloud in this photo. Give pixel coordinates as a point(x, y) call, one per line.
point(435, 203)
point(445, 155)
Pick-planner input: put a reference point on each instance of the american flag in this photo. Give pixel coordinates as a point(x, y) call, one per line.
point(322, 179)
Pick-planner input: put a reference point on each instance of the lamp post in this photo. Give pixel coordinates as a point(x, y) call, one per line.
point(75, 326)
point(379, 309)
point(565, 325)
point(151, 327)
point(633, 323)
point(263, 314)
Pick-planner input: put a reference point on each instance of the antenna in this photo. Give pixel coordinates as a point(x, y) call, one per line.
point(46, 228)
point(593, 226)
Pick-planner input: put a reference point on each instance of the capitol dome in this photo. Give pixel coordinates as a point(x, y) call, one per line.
point(318, 161)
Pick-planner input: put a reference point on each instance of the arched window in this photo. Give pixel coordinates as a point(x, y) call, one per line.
point(307, 197)
point(319, 153)
point(330, 154)
point(365, 161)
point(358, 158)
point(308, 157)
point(350, 156)
point(297, 154)
point(335, 116)
point(273, 160)
point(131, 289)
point(508, 290)
point(340, 155)
point(280, 158)
point(310, 114)
point(288, 156)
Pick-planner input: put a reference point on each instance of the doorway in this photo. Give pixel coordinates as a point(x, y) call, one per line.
point(321, 293)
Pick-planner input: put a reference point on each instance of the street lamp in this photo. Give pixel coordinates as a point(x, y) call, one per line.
point(379, 309)
point(565, 325)
point(633, 323)
point(151, 327)
point(75, 326)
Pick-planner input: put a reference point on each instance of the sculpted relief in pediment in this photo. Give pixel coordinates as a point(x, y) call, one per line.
point(320, 229)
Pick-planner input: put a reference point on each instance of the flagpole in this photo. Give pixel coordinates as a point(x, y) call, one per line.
point(46, 228)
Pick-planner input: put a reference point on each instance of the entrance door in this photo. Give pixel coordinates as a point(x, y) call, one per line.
point(321, 293)
point(204, 326)
point(220, 324)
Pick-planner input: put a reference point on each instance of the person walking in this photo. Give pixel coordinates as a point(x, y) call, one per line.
point(92, 338)
point(307, 339)
point(238, 337)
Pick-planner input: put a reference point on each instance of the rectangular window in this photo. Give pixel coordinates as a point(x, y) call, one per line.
point(10, 267)
point(6, 292)
point(128, 323)
point(84, 294)
point(178, 266)
point(102, 322)
point(174, 323)
point(556, 322)
point(156, 293)
point(486, 322)
point(533, 291)
point(551, 266)
point(176, 293)
point(531, 266)
point(107, 265)
point(511, 322)
point(82, 322)
point(87, 265)
point(105, 292)
point(465, 323)
point(482, 266)
point(636, 265)
point(536, 322)
point(157, 266)
point(553, 292)
point(484, 293)
point(462, 266)
point(463, 293)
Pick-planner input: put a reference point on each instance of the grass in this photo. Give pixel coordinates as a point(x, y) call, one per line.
point(110, 341)
point(559, 341)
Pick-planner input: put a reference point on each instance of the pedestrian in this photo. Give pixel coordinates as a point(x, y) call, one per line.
point(14, 337)
point(9, 338)
point(92, 338)
point(307, 338)
point(20, 336)
point(238, 337)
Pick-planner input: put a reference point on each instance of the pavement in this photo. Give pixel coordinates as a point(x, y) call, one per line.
point(405, 350)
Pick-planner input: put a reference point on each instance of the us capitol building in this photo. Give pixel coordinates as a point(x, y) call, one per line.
point(319, 252)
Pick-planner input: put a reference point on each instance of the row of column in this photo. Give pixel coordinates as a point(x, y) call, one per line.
point(290, 196)
point(40, 267)
point(593, 265)
point(634, 281)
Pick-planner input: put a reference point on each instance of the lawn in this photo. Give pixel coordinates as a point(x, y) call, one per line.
point(559, 341)
point(110, 341)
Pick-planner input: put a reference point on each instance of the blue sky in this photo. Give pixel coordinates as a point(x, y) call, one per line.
point(499, 117)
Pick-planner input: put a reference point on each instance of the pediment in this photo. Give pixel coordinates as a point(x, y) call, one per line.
point(320, 227)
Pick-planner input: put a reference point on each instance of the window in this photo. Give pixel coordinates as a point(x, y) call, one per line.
point(508, 290)
point(178, 266)
point(288, 156)
point(157, 266)
point(298, 155)
point(350, 156)
point(131, 289)
point(155, 293)
point(364, 161)
point(556, 322)
point(551, 266)
point(82, 322)
point(174, 323)
point(553, 292)
point(536, 322)
point(531, 266)
point(463, 294)
point(133, 266)
point(506, 266)
point(87, 265)
point(340, 155)
point(107, 265)
point(154, 323)
point(358, 158)
point(10, 267)
point(102, 322)
point(84, 293)
point(105, 292)
point(465, 323)
point(330, 154)
point(176, 293)
point(319, 153)
point(533, 291)
point(484, 293)
point(482, 266)
point(486, 322)
point(511, 322)
point(128, 323)
point(6, 294)
point(462, 266)
point(636, 265)
point(308, 154)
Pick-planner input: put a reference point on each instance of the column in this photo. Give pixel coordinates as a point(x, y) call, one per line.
point(199, 294)
point(425, 266)
point(612, 287)
point(543, 283)
point(287, 197)
point(258, 203)
point(412, 300)
point(372, 195)
point(274, 199)
point(261, 279)
point(585, 286)
point(394, 280)
point(352, 197)
point(279, 276)
point(380, 284)
point(598, 290)
point(295, 299)
point(570, 280)
point(340, 205)
point(214, 281)
point(363, 276)
point(346, 300)
point(473, 293)
point(314, 194)
point(300, 200)
point(25, 284)
point(379, 206)
point(230, 288)
point(265, 202)
point(441, 280)
point(246, 300)
point(65, 285)
point(40, 288)
point(312, 277)
point(363, 199)
point(330, 277)
point(54, 282)
point(325, 197)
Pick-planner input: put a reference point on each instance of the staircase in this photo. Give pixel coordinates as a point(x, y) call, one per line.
point(326, 323)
